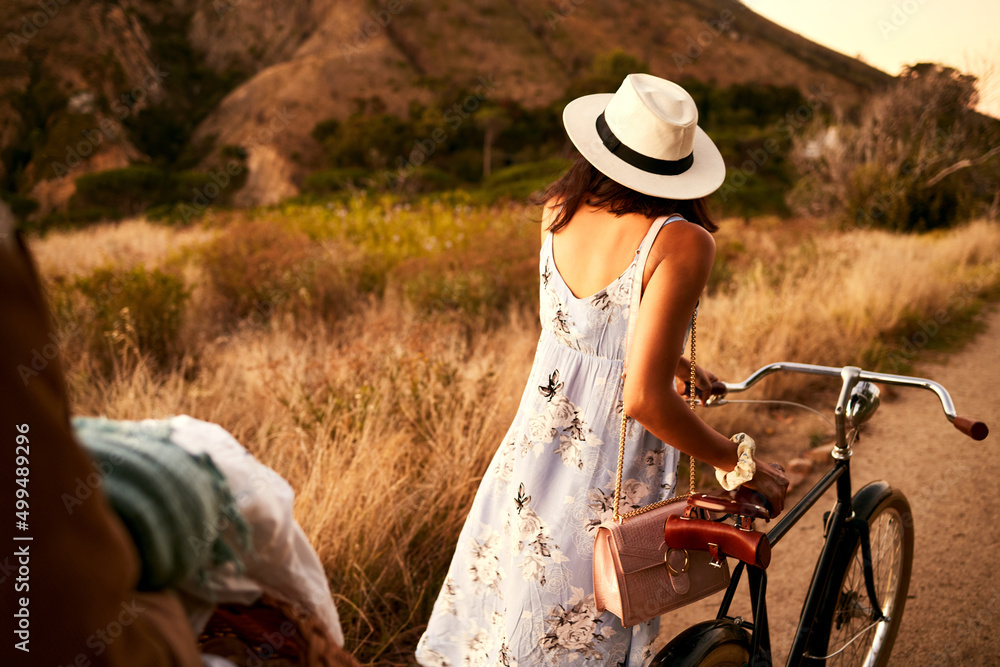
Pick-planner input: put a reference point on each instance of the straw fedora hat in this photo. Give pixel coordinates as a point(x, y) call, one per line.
point(646, 137)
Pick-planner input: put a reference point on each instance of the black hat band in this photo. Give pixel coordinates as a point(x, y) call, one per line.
point(638, 160)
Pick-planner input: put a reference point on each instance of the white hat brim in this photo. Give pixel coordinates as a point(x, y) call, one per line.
point(704, 177)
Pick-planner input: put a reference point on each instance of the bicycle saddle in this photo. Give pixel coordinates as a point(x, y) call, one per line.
point(739, 506)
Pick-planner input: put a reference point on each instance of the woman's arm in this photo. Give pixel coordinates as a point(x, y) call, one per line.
point(685, 255)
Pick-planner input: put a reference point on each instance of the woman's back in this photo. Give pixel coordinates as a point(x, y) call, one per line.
point(596, 248)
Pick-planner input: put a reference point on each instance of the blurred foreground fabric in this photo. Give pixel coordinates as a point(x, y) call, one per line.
point(70, 572)
point(80, 571)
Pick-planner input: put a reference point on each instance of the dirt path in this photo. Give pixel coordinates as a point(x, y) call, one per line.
point(953, 485)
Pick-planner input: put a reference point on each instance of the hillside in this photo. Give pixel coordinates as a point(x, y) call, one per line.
point(89, 87)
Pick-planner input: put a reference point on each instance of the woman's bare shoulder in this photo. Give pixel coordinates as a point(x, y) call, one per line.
point(684, 242)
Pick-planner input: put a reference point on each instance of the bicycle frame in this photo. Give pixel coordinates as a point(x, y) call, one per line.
point(840, 475)
point(848, 419)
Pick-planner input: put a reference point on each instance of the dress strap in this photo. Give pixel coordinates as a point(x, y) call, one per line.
point(547, 244)
point(636, 291)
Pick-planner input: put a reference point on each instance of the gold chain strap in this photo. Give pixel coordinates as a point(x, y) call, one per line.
point(620, 518)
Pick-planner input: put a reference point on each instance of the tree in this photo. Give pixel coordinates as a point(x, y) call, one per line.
point(492, 120)
point(920, 156)
point(605, 74)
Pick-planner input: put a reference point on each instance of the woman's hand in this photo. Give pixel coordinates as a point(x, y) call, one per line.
point(769, 480)
point(703, 378)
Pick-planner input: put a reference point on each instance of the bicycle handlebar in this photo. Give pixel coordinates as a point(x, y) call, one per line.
point(975, 429)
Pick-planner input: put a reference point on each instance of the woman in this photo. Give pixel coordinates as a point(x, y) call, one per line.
point(519, 589)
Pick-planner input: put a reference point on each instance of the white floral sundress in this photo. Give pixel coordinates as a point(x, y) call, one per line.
point(519, 590)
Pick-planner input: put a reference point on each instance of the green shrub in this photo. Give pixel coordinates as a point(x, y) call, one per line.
point(20, 205)
point(540, 171)
point(605, 74)
point(129, 190)
point(261, 268)
point(481, 280)
point(372, 140)
point(426, 179)
point(182, 183)
point(520, 181)
point(131, 312)
point(334, 180)
point(916, 159)
point(202, 189)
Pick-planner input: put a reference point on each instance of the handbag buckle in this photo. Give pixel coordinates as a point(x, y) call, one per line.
point(716, 554)
point(670, 568)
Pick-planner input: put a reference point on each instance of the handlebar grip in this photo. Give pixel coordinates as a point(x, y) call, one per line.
point(718, 391)
point(976, 430)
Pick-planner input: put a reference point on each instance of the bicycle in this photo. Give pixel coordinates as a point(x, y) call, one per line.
point(855, 601)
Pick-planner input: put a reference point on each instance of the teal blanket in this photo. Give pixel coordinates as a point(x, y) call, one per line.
point(177, 507)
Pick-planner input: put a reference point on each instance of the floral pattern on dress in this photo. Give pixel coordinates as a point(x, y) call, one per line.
point(562, 424)
point(432, 658)
point(485, 564)
point(612, 301)
point(653, 463)
point(553, 311)
point(532, 540)
point(477, 650)
point(450, 594)
point(526, 446)
point(504, 469)
point(520, 587)
point(575, 629)
point(602, 507)
point(635, 493)
point(506, 656)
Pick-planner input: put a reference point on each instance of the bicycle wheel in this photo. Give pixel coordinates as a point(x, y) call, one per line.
point(845, 629)
point(717, 643)
point(726, 655)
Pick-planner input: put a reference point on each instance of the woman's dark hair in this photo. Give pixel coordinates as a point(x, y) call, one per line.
point(583, 184)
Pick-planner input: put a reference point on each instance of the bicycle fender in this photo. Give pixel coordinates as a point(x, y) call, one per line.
point(691, 646)
point(869, 496)
point(864, 501)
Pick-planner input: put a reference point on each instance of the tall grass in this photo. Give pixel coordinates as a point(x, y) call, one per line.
point(866, 298)
point(384, 411)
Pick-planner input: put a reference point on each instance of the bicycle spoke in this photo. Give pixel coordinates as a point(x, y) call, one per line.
point(854, 617)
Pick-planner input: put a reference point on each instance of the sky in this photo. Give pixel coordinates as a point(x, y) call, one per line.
point(964, 34)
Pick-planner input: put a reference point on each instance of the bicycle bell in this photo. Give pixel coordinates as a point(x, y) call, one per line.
point(862, 404)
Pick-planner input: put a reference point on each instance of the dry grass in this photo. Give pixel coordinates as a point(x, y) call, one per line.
point(865, 298)
point(124, 244)
point(385, 418)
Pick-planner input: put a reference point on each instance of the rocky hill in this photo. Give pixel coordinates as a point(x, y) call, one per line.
point(259, 75)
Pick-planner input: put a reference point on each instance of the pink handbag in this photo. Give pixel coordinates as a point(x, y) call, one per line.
point(636, 577)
